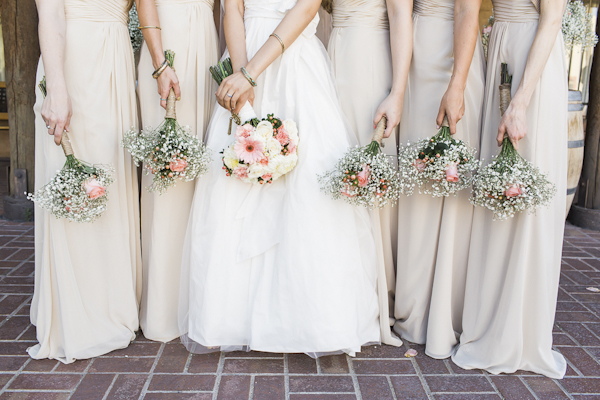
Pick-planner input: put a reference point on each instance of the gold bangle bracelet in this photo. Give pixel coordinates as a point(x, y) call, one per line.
point(150, 27)
point(276, 36)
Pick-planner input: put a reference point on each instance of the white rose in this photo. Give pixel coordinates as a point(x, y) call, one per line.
point(264, 130)
point(229, 158)
point(292, 129)
point(273, 147)
point(289, 163)
point(257, 170)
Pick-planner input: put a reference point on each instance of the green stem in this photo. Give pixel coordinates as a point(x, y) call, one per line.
point(373, 148)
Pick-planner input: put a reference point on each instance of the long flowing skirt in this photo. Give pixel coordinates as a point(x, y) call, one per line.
point(433, 237)
point(188, 29)
point(514, 265)
point(281, 268)
point(87, 275)
point(362, 64)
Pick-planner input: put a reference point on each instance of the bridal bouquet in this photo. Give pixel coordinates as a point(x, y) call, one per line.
point(262, 151)
point(577, 26)
point(78, 191)
point(170, 152)
point(510, 184)
point(364, 176)
point(439, 166)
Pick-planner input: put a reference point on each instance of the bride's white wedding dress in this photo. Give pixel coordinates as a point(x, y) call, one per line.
point(280, 268)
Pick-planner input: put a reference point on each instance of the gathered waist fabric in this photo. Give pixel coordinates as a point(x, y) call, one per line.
point(98, 12)
point(515, 12)
point(268, 12)
point(428, 8)
point(163, 3)
point(348, 17)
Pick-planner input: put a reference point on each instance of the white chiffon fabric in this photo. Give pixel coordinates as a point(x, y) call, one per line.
point(87, 275)
point(514, 265)
point(434, 232)
point(188, 29)
point(359, 48)
point(280, 268)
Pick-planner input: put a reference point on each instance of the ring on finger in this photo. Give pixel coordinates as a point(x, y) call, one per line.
point(230, 95)
point(161, 99)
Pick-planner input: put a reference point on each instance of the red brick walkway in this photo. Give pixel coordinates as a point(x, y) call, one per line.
point(158, 371)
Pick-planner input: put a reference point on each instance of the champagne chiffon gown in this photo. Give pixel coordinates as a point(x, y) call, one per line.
point(189, 30)
point(514, 265)
point(87, 274)
point(359, 48)
point(433, 237)
point(280, 268)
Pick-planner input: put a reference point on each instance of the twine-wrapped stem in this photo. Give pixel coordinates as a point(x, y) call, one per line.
point(505, 97)
point(379, 130)
point(171, 100)
point(65, 142)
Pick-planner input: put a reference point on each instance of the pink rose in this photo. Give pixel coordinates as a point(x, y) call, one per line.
point(266, 177)
point(513, 191)
point(244, 131)
point(363, 176)
point(487, 29)
point(241, 172)
point(451, 172)
point(420, 165)
point(178, 165)
point(94, 189)
point(282, 136)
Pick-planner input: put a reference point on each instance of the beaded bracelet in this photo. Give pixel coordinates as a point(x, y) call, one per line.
point(160, 69)
point(276, 36)
point(247, 75)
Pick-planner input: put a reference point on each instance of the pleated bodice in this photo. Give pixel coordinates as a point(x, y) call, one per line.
point(515, 11)
point(161, 3)
point(360, 13)
point(97, 11)
point(434, 8)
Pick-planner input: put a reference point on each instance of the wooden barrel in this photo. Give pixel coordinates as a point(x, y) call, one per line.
point(576, 138)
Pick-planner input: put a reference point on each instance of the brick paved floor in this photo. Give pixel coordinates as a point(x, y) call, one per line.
point(156, 371)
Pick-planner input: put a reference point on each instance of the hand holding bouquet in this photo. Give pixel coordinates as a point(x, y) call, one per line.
point(439, 166)
point(170, 152)
point(510, 184)
point(262, 151)
point(364, 176)
point(78, 191)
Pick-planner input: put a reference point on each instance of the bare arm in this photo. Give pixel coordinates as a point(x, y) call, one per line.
point(401, 42)
point(466, 33)
point(292, 25)
point(514, 121)
point(148, 16)
point(56, 109)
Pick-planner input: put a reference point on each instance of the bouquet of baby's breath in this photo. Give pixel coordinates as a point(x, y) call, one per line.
point(135, 34)
point(577, 27)
point(364, 176)
point(439, 166)
point(485, 34)
point(170, 152)
point(78, 191)
point(510, 184)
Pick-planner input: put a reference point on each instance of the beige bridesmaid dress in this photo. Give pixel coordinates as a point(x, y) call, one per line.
point(189, 30)
point(433, 233)
point(86, 275)
point(514, 265)
point(359, 48)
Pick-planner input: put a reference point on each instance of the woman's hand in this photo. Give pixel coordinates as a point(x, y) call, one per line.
point(57, 112)
point(391, 108)
point(166, 81)
point(233, 92)
point(513, 123)
point(452, 106)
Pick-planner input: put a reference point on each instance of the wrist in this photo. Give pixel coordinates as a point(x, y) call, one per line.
point(519, 101)
point(457, 85)
point(158, 61)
